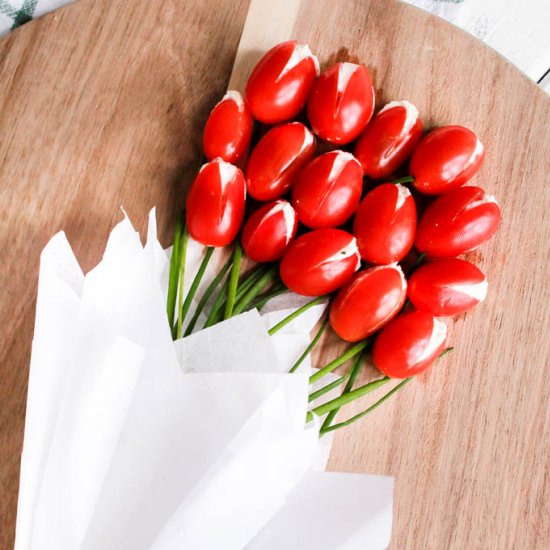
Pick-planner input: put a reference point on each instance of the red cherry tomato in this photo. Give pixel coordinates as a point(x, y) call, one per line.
point(327, 191)
point(277, 158)
point(409, 344)
point(456, 222)
point(368, 302)
point(389, 139)
point(446, 159)
point(279, 85)
point(215, 204)
point(385, 224)
point(319, 262)
point(269, 230)
point(341, 103)
point(447, 287)
point(228, 129)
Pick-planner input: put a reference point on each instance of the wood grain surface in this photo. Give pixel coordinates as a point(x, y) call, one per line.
point(102, 105)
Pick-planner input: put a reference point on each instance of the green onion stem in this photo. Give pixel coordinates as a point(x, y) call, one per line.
point(264, 281)
point(405, 179)
point(193, 289)
point(216, 306)
point(173, 278)
point(329, 428)
point(289, 318)
point(206, 296)
point(249, 279)
point(335, 363)
point(417, 262)
point(262, 300)
point(215, 314)
point(376, 404)
point(181, 280)
point(346, 398)
point(311, 345)
point(233, 281)
point(325, 389)
point(354, 371)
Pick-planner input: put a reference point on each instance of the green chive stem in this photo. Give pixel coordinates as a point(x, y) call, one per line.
point(212, 318)
point(405, 179)
point(261, 301)
point(259, 286)
point(335, 363)
point(346, 398)
point(174, 273)
point(366, 411)
point(417, 262)
point(325, 389)
point(206, 296)
point(354, 371)
point(311, 345)
point(181, 280)
point(377, 403)
point(193, 289)
point(289, 318)
point(233, 281)
point(249, 279)
point(218, 307)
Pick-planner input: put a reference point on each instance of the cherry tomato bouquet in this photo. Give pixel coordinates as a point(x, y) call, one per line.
point(318, 195)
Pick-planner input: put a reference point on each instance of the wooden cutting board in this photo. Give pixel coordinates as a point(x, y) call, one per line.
point(102, 106)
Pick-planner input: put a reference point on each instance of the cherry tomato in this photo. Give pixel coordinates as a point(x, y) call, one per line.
point(319, 262)
point(280, 83)
point(269, 230)
point(446, 159)
point(341, 103)
point(456, 222)
point(277, 158)
point(447, 287)
point(409, 344)
point(368, 302)
point(228, 129)
point(389, 139)
point(327, 191)
point(385, 224)
point(215, 204)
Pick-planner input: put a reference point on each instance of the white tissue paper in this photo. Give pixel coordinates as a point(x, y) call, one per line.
point(135, 441)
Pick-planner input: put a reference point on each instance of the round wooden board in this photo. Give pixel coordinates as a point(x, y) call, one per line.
point(102, 105)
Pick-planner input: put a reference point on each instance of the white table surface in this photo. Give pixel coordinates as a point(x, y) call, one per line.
point(517, 29)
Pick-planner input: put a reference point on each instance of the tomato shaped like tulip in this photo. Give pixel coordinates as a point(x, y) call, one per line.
point(215, 204)
point(409, 344)
point(446, 159)
point(279, 85)
point(269, 230)
point(456, 222)
point(389, 139)
point(447, 287)
point(368, 302)
point(319, 262)
point(341, 103)
point(276, 160)
point(385, 224)
point(327, 191)
point(228, 129)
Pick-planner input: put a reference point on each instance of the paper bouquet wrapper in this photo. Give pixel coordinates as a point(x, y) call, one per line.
point(133, 441)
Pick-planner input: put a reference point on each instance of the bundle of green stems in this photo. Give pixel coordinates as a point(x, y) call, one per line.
point(233, 291)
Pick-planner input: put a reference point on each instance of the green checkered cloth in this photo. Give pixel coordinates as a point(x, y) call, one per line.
point(14, 13)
